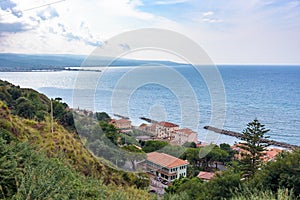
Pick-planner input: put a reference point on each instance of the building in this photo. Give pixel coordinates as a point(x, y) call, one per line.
point(268, 155)
point(206, 176)
point(185, 135)
point(152, 128)
point(143, 127)
point(165, 166)
point(122, 124)
point(166, 130)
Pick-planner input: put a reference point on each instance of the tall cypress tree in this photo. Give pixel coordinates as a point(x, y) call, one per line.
point(253, 148)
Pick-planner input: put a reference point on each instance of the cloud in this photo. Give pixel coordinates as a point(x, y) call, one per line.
point(48, 13)
point(209, 13)
point(208, 17)
point(124, 47)
point(62, 30)
point(169, 2)
point(228, 29)
point(13, 27)
point(7, 5)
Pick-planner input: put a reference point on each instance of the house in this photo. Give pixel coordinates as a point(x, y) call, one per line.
point(268, 155)
point(165, 166)
point(185, 135)
point(271, 153)
point(166, 130)
point(122, 124)
point(143, 127)
point(152, 128)
point(206, 176)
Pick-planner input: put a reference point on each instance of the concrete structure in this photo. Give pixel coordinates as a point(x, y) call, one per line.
point(122, 124)
point(165, 166)
point(166, 130)
point(185, 135)
point(206, 176)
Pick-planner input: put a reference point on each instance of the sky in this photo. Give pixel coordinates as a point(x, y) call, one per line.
point(230, 31)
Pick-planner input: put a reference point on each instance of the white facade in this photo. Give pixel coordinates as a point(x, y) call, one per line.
point(185, 135)
point(165, 166)
point(166, 130)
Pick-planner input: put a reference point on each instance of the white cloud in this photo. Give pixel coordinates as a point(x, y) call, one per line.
point(230, 31)
point(169, 2)
point(209, 13)
point(78, 22)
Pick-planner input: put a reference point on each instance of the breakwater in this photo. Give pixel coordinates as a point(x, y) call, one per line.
point(239, 135)
point(149, 120)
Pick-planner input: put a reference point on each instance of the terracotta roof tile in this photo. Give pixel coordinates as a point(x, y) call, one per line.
point(186, 131)
point(206, 175)
point(167, 124)
point(165, 160)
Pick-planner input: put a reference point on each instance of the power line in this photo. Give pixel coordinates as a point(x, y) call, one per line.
point(33, 8)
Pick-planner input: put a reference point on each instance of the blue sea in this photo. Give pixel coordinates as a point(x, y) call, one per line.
point(182, 95)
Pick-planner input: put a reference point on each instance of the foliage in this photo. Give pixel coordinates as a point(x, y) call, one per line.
point(153, 145)
point(283, 173)
point(192, 187)
point(190, 145)
point(253, 148)
point(103, 116)
point(251, 194)
point(62, 114)
point(26, 174)
point(222, 186)
point(207, 163)
point(30, 104)
point(229, 150)
point(62, 144)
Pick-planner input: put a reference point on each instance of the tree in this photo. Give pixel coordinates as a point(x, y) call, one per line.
point(103, 116)
point(253, 148)
point(284, 173)
point(192, 187)
point(190, 145)
point(231, 152)
point(132, 153)
point(217, 155)
point(222, 186)
point(154, 145)
point(25, 108)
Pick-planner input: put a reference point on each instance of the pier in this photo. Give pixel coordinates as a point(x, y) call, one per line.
point(120, 116)
point(239, 136)
point(149, 120)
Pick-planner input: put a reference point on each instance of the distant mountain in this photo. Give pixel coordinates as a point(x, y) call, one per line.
point(29, 62)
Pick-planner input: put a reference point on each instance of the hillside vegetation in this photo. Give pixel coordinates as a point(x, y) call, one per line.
point(37, 162)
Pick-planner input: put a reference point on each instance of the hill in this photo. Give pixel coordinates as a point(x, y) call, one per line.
point(28, 62)
point(25, 121)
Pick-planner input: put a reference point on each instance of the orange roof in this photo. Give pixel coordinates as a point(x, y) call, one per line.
point(206, 175)
point(167, 124)
point(165, 160)
point(186, 131)
point(143, 125)
point(271, 153)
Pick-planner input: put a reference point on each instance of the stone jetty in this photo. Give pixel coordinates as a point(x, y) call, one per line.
point(239, 135)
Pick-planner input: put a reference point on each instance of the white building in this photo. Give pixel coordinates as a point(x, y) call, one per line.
point(165, 166)
point(185, 135)
point(165, 130)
